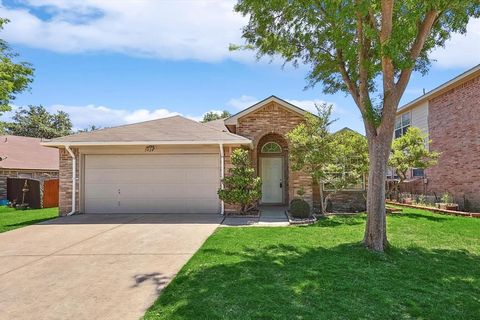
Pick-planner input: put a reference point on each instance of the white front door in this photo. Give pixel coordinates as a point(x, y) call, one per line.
point(272, 179)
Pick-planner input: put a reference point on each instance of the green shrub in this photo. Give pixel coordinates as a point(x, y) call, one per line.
point(299, 208)
point(241, 186)
point(447, 198)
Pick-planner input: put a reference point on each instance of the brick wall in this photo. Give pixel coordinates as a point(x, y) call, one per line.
point(65, 182)
point(12, 173)
point(454, 123)
point(270, 120)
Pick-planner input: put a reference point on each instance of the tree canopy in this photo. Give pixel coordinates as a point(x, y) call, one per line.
point(212, 115)
point(36, 121)
point(351, 46)
point(15, 77)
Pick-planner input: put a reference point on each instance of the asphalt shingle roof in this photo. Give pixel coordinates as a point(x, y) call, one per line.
point(26, 153)
point(173, 129)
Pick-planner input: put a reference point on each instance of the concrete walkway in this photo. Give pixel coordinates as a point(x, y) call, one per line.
point(95, 266)
point(270, 216)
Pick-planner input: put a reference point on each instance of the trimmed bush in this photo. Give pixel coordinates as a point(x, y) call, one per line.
point(299, 208)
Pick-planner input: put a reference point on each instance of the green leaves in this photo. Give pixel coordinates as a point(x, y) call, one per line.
point(36, 121)
point(324, 35)
point(410, 151)
point(241, 186)
point(339, 159)
point(15, 77)
point(210, 116)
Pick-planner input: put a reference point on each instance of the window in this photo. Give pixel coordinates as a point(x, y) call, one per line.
point(402, 123)
point(391, 173)
point(271, 147)
point(418, 173)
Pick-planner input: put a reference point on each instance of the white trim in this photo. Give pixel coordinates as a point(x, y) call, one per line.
point(441, 88)
point(234, 119)
point(136, 143)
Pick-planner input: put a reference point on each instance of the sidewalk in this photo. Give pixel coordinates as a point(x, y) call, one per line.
point(270, 216)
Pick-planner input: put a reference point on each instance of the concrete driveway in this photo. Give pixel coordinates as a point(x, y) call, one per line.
point(95, 266)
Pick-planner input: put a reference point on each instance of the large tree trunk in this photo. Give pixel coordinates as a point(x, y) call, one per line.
point(375, 230)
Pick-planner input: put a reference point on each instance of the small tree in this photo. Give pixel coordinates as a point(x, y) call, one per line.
point(349, 164)
point(410, 151)
point(241, 187)
point(337, 160)
point(210, 116)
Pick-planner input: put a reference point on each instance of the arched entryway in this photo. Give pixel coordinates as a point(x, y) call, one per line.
point(272, 167)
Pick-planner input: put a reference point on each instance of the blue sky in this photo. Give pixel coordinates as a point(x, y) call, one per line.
point(113, 62)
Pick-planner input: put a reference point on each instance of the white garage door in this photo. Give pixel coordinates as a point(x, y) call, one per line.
point(174, 183)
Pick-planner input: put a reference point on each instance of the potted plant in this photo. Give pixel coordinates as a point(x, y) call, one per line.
point(447, 202)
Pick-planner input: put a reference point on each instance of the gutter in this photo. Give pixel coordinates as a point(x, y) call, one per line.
point(74, 179)
point(136, 143)
point(222, 175)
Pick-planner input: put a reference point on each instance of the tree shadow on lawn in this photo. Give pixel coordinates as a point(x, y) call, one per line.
point(342, 282)
point(339, 220)
point(412, 215)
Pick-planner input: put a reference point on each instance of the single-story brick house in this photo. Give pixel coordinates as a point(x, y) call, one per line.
point(450, 115)
point(25, 157)
point(175, 165)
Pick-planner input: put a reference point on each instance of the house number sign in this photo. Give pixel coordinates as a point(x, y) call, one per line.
point(150, 148)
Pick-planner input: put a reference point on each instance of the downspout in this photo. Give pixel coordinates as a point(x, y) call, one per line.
point(222, 175)
point(74, 179)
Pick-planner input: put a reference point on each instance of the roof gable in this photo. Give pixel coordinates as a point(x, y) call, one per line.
point(453, 83)
point(233, 120)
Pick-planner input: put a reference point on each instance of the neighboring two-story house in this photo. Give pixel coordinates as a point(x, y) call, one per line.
point(450, 115)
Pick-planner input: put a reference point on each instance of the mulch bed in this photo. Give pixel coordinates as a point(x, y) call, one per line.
point(300, 221)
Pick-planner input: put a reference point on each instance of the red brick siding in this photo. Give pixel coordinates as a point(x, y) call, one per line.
point(275, 119)
point(454, 125)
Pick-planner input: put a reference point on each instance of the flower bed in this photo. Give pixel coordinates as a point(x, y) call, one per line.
point(436, 210)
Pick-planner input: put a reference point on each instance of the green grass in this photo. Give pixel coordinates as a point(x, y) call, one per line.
point(12, 219)
point(430, 271)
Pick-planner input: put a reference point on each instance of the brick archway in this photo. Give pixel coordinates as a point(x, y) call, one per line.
point(283, 154)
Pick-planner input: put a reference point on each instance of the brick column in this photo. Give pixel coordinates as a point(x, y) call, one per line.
point(65, 182)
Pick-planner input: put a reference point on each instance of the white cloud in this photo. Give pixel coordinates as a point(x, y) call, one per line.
point(200, 29)
point(101, 116)
point(242, 102)
point(461, 51)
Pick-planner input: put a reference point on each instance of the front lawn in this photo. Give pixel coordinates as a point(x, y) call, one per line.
point(431, 271)
point(12, 219)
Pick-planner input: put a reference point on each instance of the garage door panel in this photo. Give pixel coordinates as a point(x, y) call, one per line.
point(173, 205)
point(151, 183)
point(154, 161)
